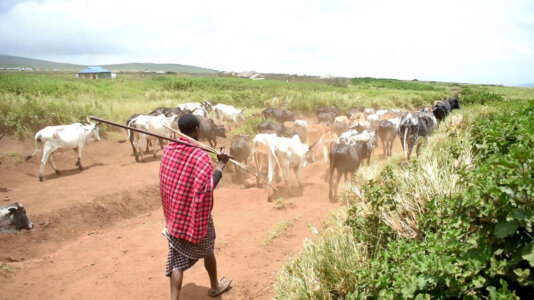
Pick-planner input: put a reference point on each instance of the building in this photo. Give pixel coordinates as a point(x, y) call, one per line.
point(94, 73)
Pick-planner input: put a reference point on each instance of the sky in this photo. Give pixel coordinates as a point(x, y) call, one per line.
point(476, 41)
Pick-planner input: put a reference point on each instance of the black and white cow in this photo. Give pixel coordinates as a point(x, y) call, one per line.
point(13, 218)
point(414, 128)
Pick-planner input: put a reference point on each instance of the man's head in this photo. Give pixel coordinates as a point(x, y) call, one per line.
point(188, 125)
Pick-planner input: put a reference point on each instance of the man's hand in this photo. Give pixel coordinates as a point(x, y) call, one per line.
point(223, 156)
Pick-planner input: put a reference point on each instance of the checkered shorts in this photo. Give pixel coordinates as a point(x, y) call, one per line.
point(183, 254)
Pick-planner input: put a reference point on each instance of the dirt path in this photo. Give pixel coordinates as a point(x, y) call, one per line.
point(97, 233)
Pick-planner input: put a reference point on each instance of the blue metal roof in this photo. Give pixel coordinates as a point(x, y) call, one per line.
point(94, 70)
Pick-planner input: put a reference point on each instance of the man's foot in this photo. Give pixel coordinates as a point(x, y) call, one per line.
point(224, 285)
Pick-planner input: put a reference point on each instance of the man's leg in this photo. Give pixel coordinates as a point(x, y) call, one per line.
point(210, 263)
point(176, 284)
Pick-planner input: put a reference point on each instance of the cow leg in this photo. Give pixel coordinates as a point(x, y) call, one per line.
point(297, 176)
point(142, 140)
point(47, 150)
point(331, 193)
point(385, 147)
point(286, 175)
point(336, 186)
point(51, 160)
point(79, 153)
point(160, 143)
point(133, 141)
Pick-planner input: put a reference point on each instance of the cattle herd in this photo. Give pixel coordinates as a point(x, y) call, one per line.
point(283, 143)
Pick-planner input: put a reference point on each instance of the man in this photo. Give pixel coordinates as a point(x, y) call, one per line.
point(187, 181)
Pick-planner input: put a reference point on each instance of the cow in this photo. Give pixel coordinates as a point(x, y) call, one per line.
point(368, 139)
point(327, 109)
point(315, 131)
point(361, 126)
point(131, 137)
point(414, 128)
point(296, 130)
point(326, 117)
point(73, 136)
point(302, 123)
point(326, 142)
point(345, 159)
point(353, 111)
point(225, 112)
point(341, 124)
point(358, 117)
point(279, 115)
point(154, 124)
point(200, 112)
point(442, 108)
point(270, 127)
point(191, 106)
point(289, 153)
point(209, 131)
point(387, 132)
point(167, 111)
point(240, 150)
point(260, 152)
point(13, 218)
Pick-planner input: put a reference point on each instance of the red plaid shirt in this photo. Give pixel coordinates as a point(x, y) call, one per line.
point(186, 187)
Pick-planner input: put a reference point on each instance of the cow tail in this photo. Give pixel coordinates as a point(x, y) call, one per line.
point(37, 139)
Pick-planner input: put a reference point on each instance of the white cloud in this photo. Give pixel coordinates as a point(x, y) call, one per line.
point(446, 40)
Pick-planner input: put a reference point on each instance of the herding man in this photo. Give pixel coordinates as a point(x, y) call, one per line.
point(187, 181)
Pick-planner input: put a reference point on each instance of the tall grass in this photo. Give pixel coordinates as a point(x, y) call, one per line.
point(354, 257)
point(138, 93)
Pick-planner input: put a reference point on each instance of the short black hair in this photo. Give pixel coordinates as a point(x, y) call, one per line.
point(187, 123)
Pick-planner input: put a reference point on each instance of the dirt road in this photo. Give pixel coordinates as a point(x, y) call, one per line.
point(97, 233)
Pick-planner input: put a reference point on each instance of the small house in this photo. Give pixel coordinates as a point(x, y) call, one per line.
point(94, 73)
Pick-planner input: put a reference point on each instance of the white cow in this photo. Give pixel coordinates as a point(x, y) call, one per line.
point(225, 112)
point(73, 136)
point(200, 112)
point(289, 153)
point(260, 150)
point(154, 124)
point(191, 106)
point(302, 123)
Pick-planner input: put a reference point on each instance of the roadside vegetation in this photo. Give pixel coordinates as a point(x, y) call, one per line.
point(454, 223)
point(30, 101)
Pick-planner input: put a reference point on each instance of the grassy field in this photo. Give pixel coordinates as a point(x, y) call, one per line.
point(454, 223)
point(31, 101)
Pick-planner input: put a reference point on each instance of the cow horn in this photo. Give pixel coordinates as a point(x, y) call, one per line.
point(89, 120)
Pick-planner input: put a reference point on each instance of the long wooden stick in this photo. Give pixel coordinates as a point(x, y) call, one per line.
point(208, 148)
point(196, 144)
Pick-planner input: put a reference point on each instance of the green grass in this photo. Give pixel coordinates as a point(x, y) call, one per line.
point(449, 224)
point(279, 229)
point(30, 101)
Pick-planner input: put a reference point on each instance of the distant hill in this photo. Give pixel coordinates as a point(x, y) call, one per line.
point(527, 85)
point(9, 61)
point(139, 67)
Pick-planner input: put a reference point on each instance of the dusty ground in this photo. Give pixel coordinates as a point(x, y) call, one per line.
point(97, 233)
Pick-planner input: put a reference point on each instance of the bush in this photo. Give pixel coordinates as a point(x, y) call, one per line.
point(454, 223)
point(469, 96)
